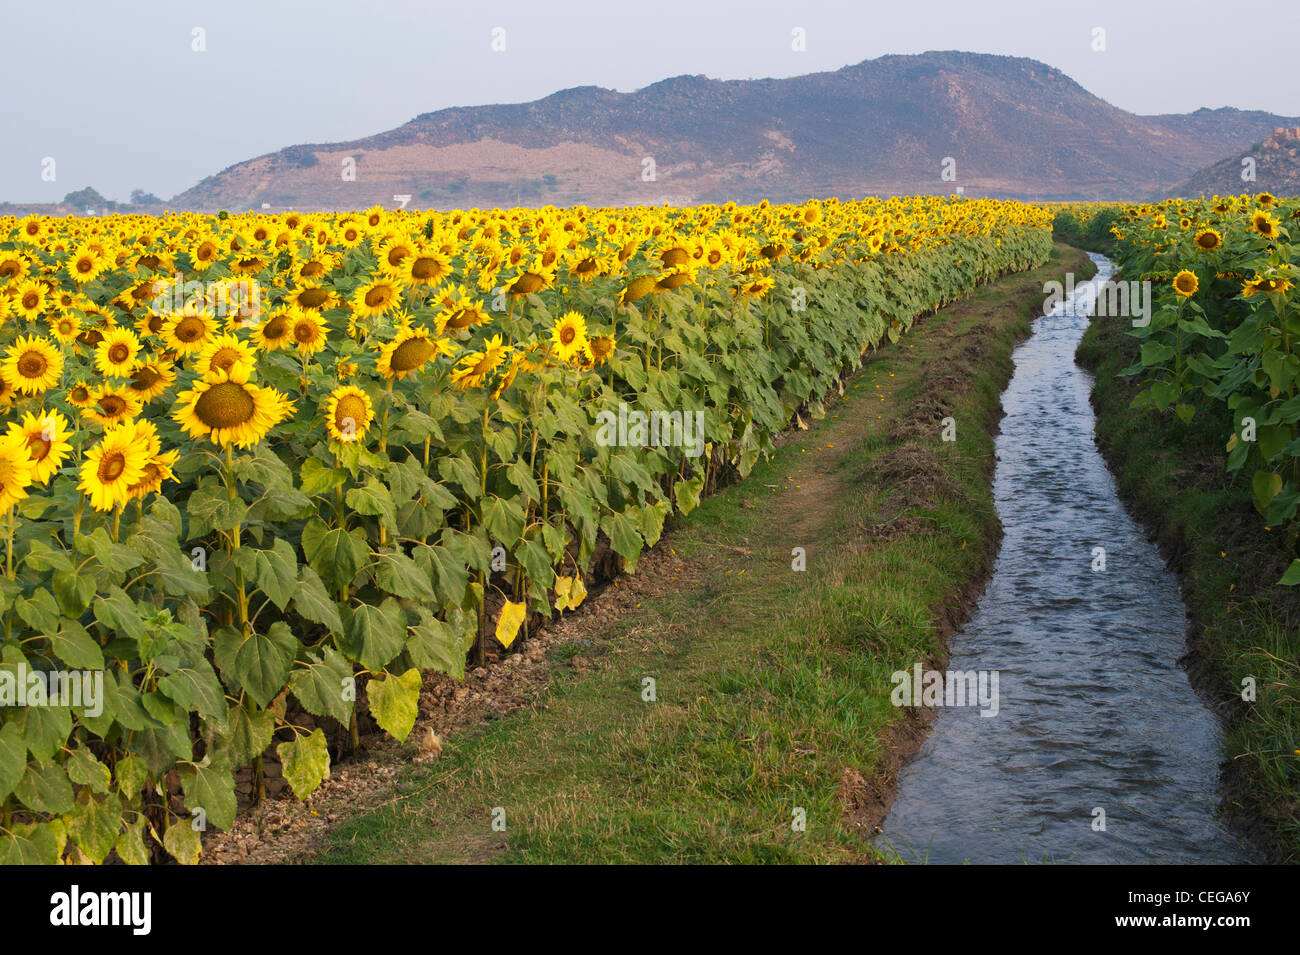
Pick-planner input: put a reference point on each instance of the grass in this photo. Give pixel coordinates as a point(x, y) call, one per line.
point(1174, 476)
point(772, 685)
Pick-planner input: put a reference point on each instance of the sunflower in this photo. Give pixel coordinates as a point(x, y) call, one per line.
point(638, 289)
point(1265, 199)
point(223, 353)
point(1185, 283)
point(1207, 240)
point(314, 297)
point(393, 253)
point(13, 267)
point(1264, 224)
point(84, 265)
point(149, 380)
point(29, 300)
point(80, 395)
point(112, 466)
point(348, 413)
point(274, 333)
point(116, 355)
point(600, 348)
point(1267, 285)
point(203, 254)
point(463, 314)
point(473, 368)
point(46, 437)
point(156, 470)
point(376, 297)
point(307, 333)
point(189, 331)
point(15, 469)
point(569, 335)
point(229, 410)
point(110, 406)
point(32, 364)
point(66, 328)
point(427, 266)
point(408, 352)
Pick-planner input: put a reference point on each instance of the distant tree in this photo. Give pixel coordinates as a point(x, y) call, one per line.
point(141, 198)
point(84, 198)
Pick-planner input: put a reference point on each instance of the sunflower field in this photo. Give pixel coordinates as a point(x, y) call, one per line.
point(1224, 335)
point(260, 471)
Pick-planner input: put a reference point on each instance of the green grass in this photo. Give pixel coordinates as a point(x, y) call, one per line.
point(770, 683)
point(1175, 477)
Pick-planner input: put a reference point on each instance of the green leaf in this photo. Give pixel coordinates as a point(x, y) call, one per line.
point(622, 535)
point(210, 508)
point(305, 762)
point(40, 612)
point(76, 648)
point(374, 500)
point(196, 687)
point(504, 519)
point(250, 732)
point(375, 635)
point(130, 844)
point(318, 684)
point(73, 591)
point(1292, 575)
point(45, 789)
point(1265, 486)
point(316, 478)
point(95, 824)
point(687, 493)
point(33, 844)
point(336, 555)
point(264, 467)
point(85, 769)
point(131, 773)
point(313, 602)
point(182, 842)
point(395, 701)
point(274, 570)
point(210, 788)
point(263, 659)
point(441, 645)
point(13, 757)
point(402, 576)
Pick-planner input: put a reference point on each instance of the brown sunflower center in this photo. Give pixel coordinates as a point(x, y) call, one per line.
point(426, 267)
point(38, 447)
point(350, 414)
point(379, 295)
point(312, 269)
point(118, 352)
point(31, 300)
point(9, 268)
point(111, 466)
point(85, 264)
point(527, 283)
point(142, 379)
point(275, 329)
point(224, 358)
point(224, 405)
point(396, 254)
point(304, 332)
point(189, 329)
point(206, 251)
point(412, 353)
point(110, 406)
point(568, 333)
point(79, 393)
point(32, 364)
point(312, 297)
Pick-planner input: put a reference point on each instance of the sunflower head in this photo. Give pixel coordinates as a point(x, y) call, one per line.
point(348, 414)
point(1185, 283)
point(1207, 240)
point(32, 364)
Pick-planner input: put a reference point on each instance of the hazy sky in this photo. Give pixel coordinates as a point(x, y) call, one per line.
point(113, 91)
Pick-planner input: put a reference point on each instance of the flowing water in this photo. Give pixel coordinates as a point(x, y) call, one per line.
point(1094, 711)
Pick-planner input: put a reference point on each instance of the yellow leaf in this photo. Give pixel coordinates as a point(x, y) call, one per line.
point(508, 624)
point(563, 588)
point(578, 594)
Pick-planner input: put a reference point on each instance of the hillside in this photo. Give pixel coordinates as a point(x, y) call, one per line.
point(1276, 167)
point(1014, 126)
